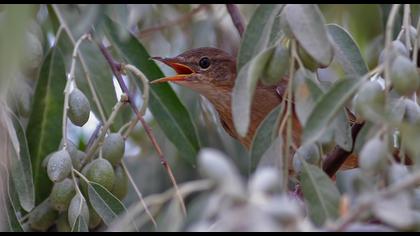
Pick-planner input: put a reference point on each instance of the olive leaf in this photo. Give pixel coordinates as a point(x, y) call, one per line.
point(308, 27)
point(264, 136)
point(327, 107)
point(21, 169)
point(321, 195)
point(44, 131)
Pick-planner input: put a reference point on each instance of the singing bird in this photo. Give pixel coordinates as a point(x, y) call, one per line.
point(211, 72)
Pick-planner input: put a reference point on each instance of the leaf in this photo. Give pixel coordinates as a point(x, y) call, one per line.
point(80, 225)
point(396, 211)
point(346, 51)
point(264, 136)
point(259, 32)
point(44, 130)
point(321, 195)
point(105, 204)
point(306, 93)
point(272, 157)
point(308, 27)
point(327, 107)
point(342, 131)
point(243, 91)
point(6, 205)
point(21, 170)
point(169, 112)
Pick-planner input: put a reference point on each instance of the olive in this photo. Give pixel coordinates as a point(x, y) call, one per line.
point(79, 108)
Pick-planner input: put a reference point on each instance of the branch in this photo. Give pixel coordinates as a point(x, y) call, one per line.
point(185, 18)
point(338, 156)
point(115, 70)
point(237, 18)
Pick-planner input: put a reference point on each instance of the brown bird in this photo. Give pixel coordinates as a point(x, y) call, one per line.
point(211, 72)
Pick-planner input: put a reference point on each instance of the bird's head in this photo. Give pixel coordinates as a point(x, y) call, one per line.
point(201, 69)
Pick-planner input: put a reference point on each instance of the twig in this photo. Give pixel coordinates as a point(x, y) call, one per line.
point(237, 18)
point(108, 123)
point(388, 45)
point(406, 23)
point(93, 136)
point(145, 83)
point(67, 88)
point(180, 20)
point(136, 189)
point(82, 62)
point(146, 127)
point(366, 204)
point(338, 156)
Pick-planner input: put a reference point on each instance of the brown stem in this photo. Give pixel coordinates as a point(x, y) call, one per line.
point(237, 18)
point(116, 71)
point(185, 18)
point(94, 135)
point(338, 156)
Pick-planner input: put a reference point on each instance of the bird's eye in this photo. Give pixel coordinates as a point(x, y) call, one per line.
point(204, 62)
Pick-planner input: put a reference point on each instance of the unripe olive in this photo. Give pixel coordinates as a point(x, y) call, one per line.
point(370, 98)
point(397, 48)
point(59, 166)
point(113, 148)
point(63, 223)
point(278, 66)
point(413, 35)
point(43, 216)
point(307, 60)
point(120, 187)
point(78, 206)
point(77, 159)
point(404, 77)
point(61, 194)
point(373, 155)
point(94, 218)
point(309, 153)
point(79, 108)
point(100, 171)
point(412, 111)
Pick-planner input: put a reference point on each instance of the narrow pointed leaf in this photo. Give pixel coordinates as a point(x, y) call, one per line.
point(342, 131)
point(169, 112)
point(80, 225)
point(21, 170)
point(308, 27)
point(321, 195)
point(259, 33)
point(105, 204)
point(264, 136)
point(346, 51)
point(244, 89)
point(44, 127)
point(327, 107)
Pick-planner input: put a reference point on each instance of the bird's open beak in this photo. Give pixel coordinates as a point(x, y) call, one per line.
point(182, 70)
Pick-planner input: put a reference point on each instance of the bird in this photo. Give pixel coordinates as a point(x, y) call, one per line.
point(212, 72)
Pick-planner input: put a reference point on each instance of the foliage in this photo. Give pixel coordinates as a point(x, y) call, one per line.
point(74, 82)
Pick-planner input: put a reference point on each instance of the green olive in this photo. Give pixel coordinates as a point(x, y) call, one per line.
point(307, 60)
point(63, 223)
point(278, 66)
point(94, 220)
point(309, 153)
point(43, 216)
point(373, 156)
point(61, 194)
point(59, 166)
point(100, 171)
point(404, 76)
point(369, 100)
point(79, 108)
point(113, 148)
point(120, 187)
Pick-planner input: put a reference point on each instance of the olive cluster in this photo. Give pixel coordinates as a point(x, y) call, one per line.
point(66, 200)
